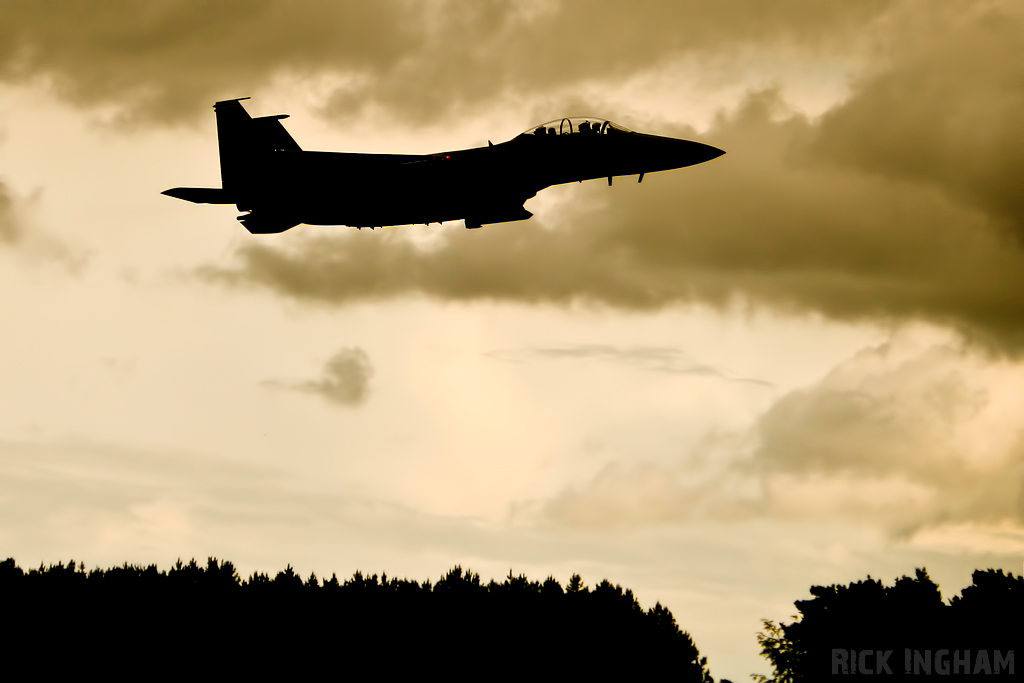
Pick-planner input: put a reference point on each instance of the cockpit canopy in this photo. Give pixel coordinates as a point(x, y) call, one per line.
point(583, 125)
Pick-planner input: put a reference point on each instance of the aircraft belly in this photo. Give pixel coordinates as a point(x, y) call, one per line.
point(327, 190)
point(370, 205)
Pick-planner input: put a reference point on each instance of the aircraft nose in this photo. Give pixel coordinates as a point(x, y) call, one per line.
point(662, 153)
point(687, 152)
point(708, 152)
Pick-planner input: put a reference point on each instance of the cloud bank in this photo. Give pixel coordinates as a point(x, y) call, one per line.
point(419, 62)
point(910, 438)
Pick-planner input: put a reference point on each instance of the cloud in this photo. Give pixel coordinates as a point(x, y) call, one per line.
point(169, 61)
point(19, 232)
point(653, 359)
point(707, 482)
point(10, 226)
point(491, 52)
point(417, 61)
point(914, 440)
point(946, 114)
point(345, 381)
point(911, 438)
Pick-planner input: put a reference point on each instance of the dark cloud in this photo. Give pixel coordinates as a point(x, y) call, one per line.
point(171, 60)
point(485, 52)
point(418, 61)
point(345, 381)
point(946, 114)
point(654, 359)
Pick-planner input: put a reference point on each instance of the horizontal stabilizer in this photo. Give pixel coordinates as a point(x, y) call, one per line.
point(259, 223)
point(501, 214)
point(200, 195)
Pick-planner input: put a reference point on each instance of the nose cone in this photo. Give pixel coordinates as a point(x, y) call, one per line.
point(707, 152)
point(662, 154)
point(676, 153)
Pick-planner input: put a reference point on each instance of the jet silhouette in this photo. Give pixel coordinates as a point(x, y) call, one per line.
point(265, 173)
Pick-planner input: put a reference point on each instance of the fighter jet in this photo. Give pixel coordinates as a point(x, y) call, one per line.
point(267, 175)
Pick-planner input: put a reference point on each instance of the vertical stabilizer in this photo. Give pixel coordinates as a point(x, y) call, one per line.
point(234, 133)
point(246, 145)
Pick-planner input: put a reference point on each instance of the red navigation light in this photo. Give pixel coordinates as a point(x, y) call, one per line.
point(447, 156)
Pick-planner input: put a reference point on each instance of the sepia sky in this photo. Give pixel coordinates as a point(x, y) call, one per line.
point(800, 363)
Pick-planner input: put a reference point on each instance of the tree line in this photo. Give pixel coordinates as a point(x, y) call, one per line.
point(141, 620)
point(193, 614)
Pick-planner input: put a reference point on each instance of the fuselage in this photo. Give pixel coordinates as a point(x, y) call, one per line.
point(281, 185)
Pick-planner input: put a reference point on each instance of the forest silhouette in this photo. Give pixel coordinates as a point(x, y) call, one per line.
point(141, 621)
